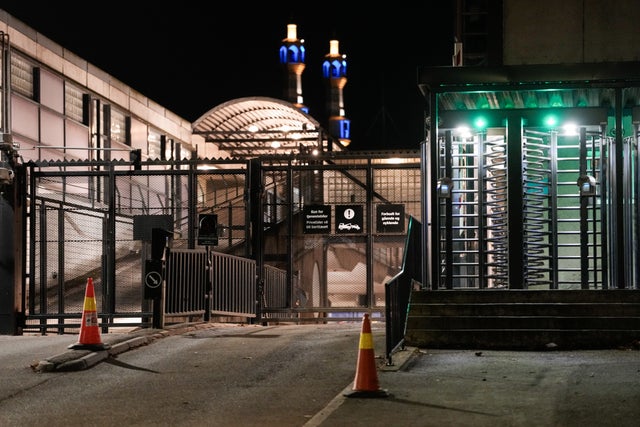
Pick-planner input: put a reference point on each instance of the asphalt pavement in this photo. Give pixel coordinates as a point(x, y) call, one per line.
point(440, 387)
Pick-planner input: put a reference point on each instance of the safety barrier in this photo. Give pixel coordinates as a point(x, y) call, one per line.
point(233, 284)
point(398, 291)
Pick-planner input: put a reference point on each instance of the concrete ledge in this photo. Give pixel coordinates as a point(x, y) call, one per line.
point(84, 362)
point(129, 344)
point(80, 359)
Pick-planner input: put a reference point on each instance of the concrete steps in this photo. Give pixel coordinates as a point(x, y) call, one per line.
point(523, 319)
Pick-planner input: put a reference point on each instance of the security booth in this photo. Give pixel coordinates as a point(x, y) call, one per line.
point(530, 176)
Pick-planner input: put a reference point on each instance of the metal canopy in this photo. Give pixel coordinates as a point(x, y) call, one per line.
point(532, 86)
point(259, 126)
point(444, 79)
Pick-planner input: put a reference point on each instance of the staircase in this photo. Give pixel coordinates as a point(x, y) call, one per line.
point(524, 319)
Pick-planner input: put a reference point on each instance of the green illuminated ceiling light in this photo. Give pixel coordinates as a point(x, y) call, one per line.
point(480, 122)
point(550, 120)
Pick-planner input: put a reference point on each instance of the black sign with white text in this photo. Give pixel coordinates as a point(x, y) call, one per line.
point(390, 219)
point(317, 219)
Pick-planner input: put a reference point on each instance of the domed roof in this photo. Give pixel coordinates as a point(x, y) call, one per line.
point(257, 126)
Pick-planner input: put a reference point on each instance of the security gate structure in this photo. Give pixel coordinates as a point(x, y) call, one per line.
point(562, 241)
point(533, 188)
point(97, 219)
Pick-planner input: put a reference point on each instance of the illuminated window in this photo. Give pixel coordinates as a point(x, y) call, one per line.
point(118, 126)
point(73, 102)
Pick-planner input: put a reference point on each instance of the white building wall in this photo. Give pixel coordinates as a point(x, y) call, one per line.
point(55, 57)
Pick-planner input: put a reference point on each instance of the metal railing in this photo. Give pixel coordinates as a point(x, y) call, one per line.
point(398, 291)
point(233, 284)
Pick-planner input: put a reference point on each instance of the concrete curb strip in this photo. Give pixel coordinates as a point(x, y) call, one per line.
point(76, 360)
point(80, 359)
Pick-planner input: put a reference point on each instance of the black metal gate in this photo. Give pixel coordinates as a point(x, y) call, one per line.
point(95, 220)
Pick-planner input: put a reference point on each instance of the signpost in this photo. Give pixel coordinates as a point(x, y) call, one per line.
point(153, 278)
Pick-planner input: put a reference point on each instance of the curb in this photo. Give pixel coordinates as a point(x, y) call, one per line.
point(77, 360)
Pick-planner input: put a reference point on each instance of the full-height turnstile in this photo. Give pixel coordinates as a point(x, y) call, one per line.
point(549, 197)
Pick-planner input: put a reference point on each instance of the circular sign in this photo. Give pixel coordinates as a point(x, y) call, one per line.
point(153, 279)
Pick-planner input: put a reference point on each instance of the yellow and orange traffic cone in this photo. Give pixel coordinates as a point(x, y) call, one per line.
point(365, 383)
point(89, 330)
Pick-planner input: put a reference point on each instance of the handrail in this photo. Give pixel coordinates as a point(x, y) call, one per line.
point(398, 290)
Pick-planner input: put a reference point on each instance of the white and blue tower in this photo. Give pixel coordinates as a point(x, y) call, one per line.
point(334, 70)
point(292, 56)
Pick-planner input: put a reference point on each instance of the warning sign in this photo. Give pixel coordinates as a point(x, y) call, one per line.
point(390, 219)
point(349, 219)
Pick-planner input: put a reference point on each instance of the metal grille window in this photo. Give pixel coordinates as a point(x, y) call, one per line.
point(397, 184)
point(153, 139)
point(118, 126)
point(21, 76)
point(73, 104)
point(341, 188)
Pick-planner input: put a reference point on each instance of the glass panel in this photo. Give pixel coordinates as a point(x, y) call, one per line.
point(24, 118)
point(51, 91)
point(52, 129)
point(77, 136)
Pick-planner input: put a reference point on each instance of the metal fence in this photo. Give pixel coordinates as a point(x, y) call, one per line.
point(95, 219)
point(224, 284)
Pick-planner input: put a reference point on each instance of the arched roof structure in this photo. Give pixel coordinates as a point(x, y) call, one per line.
point(257, 126)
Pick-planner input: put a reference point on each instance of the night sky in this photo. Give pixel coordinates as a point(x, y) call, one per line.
point(190, 58)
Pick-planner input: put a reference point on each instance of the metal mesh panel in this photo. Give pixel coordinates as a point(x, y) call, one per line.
point(91, 214)
point(223, 194)
point(346, 275)
point(128, 270)
point(276, 197)
point(344, 187)
point(398, 186)
point(68, 241)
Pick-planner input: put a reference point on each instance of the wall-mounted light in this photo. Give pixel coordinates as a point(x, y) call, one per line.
point(587, 185)
point(444, 187)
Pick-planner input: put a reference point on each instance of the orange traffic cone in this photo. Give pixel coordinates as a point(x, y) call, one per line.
point(89, 331)
point(365, 383)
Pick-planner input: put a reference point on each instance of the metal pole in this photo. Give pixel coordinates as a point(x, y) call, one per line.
point(209, 289)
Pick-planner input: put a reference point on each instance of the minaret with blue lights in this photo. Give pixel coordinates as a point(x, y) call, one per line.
point(292, 55)
point(334, 70)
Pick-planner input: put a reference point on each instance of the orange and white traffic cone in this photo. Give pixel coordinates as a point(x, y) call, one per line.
point(365, 383)
point(89, 331)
